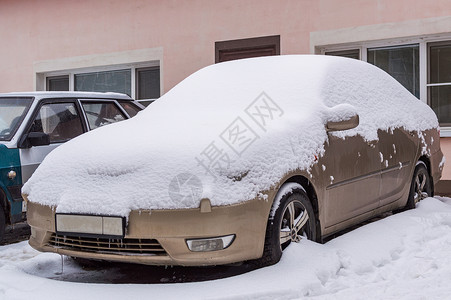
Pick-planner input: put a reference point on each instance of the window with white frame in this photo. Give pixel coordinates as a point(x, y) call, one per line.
point(148, 83)
point(138, 82)
point(57, 83)
point(401, 62)
point(118, 81)
point(439, 81)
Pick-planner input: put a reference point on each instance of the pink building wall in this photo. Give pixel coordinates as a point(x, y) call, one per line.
point(33, 31)
point(50, 29)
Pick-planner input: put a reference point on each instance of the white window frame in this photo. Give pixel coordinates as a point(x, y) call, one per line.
point(133, 59)
point(132, 68)
point(423, 58)
point(442, 83)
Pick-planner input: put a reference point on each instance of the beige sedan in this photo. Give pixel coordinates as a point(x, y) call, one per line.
point(307, 172)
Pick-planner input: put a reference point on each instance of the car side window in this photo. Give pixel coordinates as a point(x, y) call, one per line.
point(130, 108)
point(99, 114)
point(60, 121)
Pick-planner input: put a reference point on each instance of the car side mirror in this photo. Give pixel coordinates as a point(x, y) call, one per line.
point(34, 139)
point(346, 124)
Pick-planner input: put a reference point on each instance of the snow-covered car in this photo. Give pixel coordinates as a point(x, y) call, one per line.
point(33, 124)
point(236, 162)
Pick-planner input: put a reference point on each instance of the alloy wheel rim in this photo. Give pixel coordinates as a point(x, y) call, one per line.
point(420, 187)
point(294, 223)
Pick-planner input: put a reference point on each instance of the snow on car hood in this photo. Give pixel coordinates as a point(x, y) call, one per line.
point(227, 132)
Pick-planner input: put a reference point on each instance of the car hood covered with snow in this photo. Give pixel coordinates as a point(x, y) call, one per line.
point(227, 133)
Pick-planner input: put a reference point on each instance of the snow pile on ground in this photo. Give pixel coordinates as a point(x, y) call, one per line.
point(237, 126)
point(404, 256)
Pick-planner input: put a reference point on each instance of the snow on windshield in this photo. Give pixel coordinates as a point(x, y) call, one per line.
point(232, 130)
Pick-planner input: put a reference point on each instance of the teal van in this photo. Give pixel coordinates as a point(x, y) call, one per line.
point(33, 124)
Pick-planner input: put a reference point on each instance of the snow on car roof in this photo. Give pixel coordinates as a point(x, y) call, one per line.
point(227, 132)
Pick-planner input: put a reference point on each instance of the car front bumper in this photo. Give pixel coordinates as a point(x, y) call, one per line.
point(158, 237)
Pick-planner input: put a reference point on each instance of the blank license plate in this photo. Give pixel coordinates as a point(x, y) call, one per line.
point(91, 225)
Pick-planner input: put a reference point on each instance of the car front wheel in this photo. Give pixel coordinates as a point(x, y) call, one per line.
point(292, 221)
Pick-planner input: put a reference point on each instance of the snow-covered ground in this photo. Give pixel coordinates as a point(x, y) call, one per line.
point(403, 256)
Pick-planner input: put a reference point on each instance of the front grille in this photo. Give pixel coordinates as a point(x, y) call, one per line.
point(104, 245)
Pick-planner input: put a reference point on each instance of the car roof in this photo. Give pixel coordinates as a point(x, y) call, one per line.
point(46, 95)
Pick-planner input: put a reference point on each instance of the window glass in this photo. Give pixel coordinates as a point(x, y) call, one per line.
point(59, 120)
point(12, 112)
point(440, 64)
point(146, 102)
point(439, 81)
point(401, 62)
point(440, 102)
point(145, 84)
point(130, 108)
point(118, 81)
point(99, 114)
point(353, 53)
point(58, 83)
point(148, 83)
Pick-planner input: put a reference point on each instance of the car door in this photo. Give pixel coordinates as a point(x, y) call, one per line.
point(61, 121)
point(353, 185)
point(398, 151)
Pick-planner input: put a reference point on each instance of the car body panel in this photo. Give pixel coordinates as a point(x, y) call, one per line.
point(10, 161)
point(430, 148)
point(31, 158)
point(354, 172)
point(399, 152)
point(248, 219)
point(171, 228)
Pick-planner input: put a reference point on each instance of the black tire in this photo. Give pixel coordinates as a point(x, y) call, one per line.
point(2, 223)
point(298, 202)
point(420, 187)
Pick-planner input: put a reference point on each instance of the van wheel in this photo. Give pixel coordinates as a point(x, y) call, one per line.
point(420, 188)
point(2, 223)
point(293, 221)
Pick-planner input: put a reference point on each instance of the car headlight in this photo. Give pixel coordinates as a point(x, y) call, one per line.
point(210, 244)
